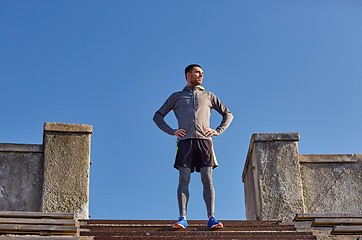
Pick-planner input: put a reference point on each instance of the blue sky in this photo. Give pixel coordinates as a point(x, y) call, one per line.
point(279, 66)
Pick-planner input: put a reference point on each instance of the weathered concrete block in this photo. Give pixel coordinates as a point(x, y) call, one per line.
point(272, 179)
point(66, 168)
point(279, 182)
point(332, 183)
point(21, 177)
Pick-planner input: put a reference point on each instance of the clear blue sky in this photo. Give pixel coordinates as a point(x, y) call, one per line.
point(279, 66)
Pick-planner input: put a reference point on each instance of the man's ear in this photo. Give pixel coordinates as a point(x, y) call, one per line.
point(188, 75)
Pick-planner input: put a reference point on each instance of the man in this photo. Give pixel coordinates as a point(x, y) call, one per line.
point(192, 107)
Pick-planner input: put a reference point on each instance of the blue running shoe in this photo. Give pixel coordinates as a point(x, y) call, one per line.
point(214, 224)
point(180, 223)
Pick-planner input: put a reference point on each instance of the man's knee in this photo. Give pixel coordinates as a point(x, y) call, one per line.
point(206, 176)
point(185, 174)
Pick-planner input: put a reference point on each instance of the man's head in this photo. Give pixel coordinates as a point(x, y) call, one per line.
point(194, 75)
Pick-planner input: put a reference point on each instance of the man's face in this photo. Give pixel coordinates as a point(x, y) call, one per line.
point(195, 76)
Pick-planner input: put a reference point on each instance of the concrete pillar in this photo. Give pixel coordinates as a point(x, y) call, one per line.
point(66, 168)
point(272, 179)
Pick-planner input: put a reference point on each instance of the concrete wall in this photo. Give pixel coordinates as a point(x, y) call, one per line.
point(21, 177)
point(332, 183)
point(278, 182)
point(52, 177)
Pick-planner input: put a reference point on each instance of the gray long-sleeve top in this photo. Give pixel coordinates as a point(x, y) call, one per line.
point(192, 107)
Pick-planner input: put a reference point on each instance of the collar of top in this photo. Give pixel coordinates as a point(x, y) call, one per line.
point(191, 88)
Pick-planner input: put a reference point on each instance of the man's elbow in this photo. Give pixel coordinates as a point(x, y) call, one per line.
point(157, 117)
point(154, 117)
point(230, 116)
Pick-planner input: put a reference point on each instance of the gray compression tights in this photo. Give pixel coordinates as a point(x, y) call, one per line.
point(183, 190)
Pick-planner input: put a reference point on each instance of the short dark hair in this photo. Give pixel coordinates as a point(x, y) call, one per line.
point(190, 67)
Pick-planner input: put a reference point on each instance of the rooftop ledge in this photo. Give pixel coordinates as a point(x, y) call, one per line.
point(330, 158)
point(66, 127)
point(271, 137)
point(12, 147)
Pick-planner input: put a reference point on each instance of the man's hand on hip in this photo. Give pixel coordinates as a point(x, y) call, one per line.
point(180, 133)
point(209, 132)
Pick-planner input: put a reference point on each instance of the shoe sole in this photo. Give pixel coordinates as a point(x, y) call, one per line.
point(217, 226)
point(177, 226)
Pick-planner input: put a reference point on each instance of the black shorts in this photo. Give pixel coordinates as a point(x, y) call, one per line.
point(195, 153)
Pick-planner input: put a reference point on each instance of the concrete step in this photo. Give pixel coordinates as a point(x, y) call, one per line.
point(336, 224)
point(37, 224)
point(312, 216)
point(355, 230)
point(90, 222)
point(219, 233)
point(38, 238)
point(161, 229)
point(200, 229)
point(212, 237)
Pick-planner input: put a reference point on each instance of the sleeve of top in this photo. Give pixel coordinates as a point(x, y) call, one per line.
point(227, 116)
point(158, 118)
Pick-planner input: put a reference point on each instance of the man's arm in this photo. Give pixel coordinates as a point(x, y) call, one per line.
point(227, 116)
point(158, 118)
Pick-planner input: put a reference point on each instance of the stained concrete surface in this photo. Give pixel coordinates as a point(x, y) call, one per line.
point(21, 177)
point(332, 187)
point(66, 168)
